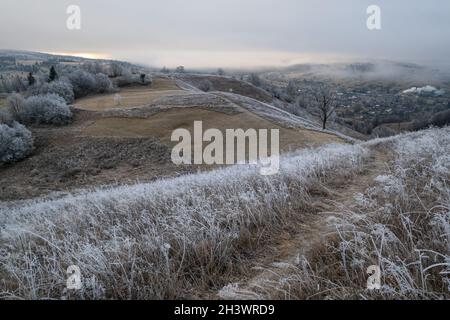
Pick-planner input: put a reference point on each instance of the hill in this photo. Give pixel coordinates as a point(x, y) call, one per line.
point(100, 147)
point(232, 233)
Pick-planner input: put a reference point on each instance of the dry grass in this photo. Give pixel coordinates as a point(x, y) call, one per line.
point(131, 96)
point(168, 239)
point(401, 224)
point(162, 125)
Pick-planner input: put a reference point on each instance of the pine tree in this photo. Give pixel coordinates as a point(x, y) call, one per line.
point(53, 75)
point(31, 79)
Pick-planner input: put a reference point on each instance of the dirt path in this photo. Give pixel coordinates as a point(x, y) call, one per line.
point(309, 235)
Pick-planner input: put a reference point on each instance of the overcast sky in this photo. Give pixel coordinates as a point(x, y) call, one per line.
point(231, 33)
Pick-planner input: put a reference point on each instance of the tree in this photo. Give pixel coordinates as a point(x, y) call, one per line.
point(31, 79)
point(323, 101)
point(220, 72)
point(15, 104)
point(83, 83)
point(180, 69)
point(255, 80)
point(165, 70)
point(291, 91)
point(116, 70)
point(143, 76)
point(53, 75)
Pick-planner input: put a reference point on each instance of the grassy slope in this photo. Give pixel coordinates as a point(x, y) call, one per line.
point(200, 232)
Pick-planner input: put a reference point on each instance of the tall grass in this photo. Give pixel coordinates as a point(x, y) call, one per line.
point(401, 224)
point(166, 239)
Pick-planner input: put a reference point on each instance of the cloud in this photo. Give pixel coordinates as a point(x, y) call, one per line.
point(230, 32)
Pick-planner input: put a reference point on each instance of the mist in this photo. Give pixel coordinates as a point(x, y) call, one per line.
point(231, 33)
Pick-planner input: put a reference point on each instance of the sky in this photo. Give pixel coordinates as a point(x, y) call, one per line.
point(231, 33)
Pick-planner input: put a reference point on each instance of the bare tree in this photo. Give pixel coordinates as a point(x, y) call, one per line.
point(116, 70)
point(323, 100)
point(180, 69)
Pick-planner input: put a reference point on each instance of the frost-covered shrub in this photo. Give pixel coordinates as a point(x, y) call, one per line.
point(45, 109)
point(83, 83)
point(205, 85)
point(15, 104)
point(16, 142)
point(5, 116)
point(102, 83)
point(61, 88)
point(128, 79)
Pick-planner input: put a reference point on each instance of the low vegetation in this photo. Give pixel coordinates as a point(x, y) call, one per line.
point(16, 142)
point(401, 224)
point(43, 109)
point(62, 88)
point(159, 240)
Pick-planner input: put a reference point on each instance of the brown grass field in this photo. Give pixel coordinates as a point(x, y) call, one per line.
point(132, 96)
point(162, 124)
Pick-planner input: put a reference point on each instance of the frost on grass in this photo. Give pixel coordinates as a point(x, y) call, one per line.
point(164, 239)
point(401, 224)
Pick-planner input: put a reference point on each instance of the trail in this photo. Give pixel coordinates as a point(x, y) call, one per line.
point(310, 234)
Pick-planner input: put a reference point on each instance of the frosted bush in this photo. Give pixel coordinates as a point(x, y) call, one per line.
point(102, 83)
point(82, 82)
point(16, 142)
point(45, 109)
point(15, 104)
point(5, 116)
point(62, 88)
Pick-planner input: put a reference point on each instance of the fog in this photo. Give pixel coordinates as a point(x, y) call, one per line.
point(231, 33)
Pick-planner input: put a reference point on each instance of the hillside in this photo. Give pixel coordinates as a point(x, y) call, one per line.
point(309, 232)
point(110, 144)
point(87, 179)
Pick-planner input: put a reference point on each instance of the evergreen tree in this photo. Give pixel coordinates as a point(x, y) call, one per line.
point(31, 79)
point(53, 75)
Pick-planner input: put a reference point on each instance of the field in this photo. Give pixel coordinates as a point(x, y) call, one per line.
point(101, 146)
point(131, 97)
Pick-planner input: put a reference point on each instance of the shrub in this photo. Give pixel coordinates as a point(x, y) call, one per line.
point(45, 109)
point(205, 86)
point(5, 116)
point(383, 132)
point(15, 104)
point(83, 83)
point(61, 88)
point(441, 119)
point(16, 142)
point(102, 83)
point(129, 78)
